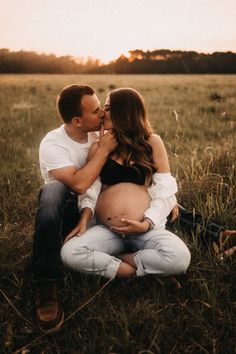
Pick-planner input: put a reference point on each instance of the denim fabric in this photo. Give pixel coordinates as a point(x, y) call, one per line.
point(191, 222)
point(157, 252)
point(57, 214)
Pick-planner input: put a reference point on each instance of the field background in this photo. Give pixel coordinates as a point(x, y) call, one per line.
point(196, 117)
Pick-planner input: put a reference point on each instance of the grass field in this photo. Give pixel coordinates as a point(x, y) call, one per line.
point(196, 117)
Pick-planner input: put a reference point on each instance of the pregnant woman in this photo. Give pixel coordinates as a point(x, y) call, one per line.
point(138, 193)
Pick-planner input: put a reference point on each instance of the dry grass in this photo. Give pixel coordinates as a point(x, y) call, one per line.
point(143, 315)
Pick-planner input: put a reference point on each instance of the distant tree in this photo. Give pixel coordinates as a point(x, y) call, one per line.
point(162, 61)
point(31, 62)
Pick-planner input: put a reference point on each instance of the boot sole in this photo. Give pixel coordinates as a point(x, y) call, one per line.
point(56, 328)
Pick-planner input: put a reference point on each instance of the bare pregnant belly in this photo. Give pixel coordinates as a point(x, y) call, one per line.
point(122, 200)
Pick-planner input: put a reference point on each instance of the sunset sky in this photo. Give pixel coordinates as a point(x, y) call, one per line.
point(107, 28)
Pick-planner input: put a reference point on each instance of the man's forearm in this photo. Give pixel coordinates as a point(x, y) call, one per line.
point(85, 176)
point(80, 179)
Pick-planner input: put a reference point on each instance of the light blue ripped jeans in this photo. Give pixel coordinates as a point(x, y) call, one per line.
point(157, 251)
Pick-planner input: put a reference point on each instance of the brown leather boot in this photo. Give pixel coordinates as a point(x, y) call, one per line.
point(49, 311)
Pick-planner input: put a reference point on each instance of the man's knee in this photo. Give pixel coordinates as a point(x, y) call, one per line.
point(53, 195)
point(53, 191)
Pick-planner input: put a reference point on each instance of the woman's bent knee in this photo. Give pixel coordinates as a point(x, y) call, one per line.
point(178, 262)
point(162, 263)
point(85, 259)
point(181, 264)
point(71, 257)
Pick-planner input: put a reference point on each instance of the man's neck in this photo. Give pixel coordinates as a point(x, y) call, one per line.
point(76, 134)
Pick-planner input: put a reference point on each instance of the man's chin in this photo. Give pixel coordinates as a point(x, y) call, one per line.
point(95, 129)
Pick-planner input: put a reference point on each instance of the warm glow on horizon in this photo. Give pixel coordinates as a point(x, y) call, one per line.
point(105, 29)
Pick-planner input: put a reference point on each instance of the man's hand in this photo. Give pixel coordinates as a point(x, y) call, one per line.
point(108, 140)
point(131, 227)
point(174, 213)
point(78, 230)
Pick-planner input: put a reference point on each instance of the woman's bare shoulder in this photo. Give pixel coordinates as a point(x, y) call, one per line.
point(160, 156)
point(155, 140)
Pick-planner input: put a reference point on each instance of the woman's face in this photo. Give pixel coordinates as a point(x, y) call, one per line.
point(107, 117)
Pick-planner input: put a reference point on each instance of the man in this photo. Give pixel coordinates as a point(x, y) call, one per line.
point(62, 157)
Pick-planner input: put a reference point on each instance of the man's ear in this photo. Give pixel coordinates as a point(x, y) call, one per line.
point(76, 121)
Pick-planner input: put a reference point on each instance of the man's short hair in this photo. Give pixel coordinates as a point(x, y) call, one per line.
point(69, 101)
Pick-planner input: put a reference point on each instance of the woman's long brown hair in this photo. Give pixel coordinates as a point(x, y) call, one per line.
point(133, 129)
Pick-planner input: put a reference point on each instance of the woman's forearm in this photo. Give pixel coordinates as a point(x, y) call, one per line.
point(162, 193)
point(86, 215)
point(89, 198)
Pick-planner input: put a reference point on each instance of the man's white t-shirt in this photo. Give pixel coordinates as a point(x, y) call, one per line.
point(58, 150)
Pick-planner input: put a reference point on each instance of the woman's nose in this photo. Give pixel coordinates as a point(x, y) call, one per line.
point(102, 113)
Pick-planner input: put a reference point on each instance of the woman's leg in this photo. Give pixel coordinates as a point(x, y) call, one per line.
point(94, 253)
point(159, 252)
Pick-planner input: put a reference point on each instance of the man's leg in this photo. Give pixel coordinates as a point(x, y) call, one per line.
point(57, 213)
point(55, 202)
point(209, 232)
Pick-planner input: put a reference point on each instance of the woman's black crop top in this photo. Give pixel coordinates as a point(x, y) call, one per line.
point(113, 173)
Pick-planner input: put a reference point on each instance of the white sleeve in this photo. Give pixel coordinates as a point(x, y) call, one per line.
point(54, 155)
point(89, 198)
point(162, 193)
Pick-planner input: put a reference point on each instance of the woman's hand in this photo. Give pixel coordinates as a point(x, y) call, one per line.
point(174, 213)
point(78, 230)
point(81, 227)
point(131, 227)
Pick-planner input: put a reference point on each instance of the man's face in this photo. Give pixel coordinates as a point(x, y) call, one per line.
point(92, 114)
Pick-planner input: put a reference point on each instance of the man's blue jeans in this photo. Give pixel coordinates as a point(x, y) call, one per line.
point(193, 223)
point(57, 214)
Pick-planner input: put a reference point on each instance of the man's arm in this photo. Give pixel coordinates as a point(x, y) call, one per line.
point(79, 180)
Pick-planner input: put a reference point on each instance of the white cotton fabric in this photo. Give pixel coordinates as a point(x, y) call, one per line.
point(162, 193)
point(58, 150)
point(164, 185)
point(89, 198)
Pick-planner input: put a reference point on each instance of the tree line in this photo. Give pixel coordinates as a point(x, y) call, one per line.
point(160, 61)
